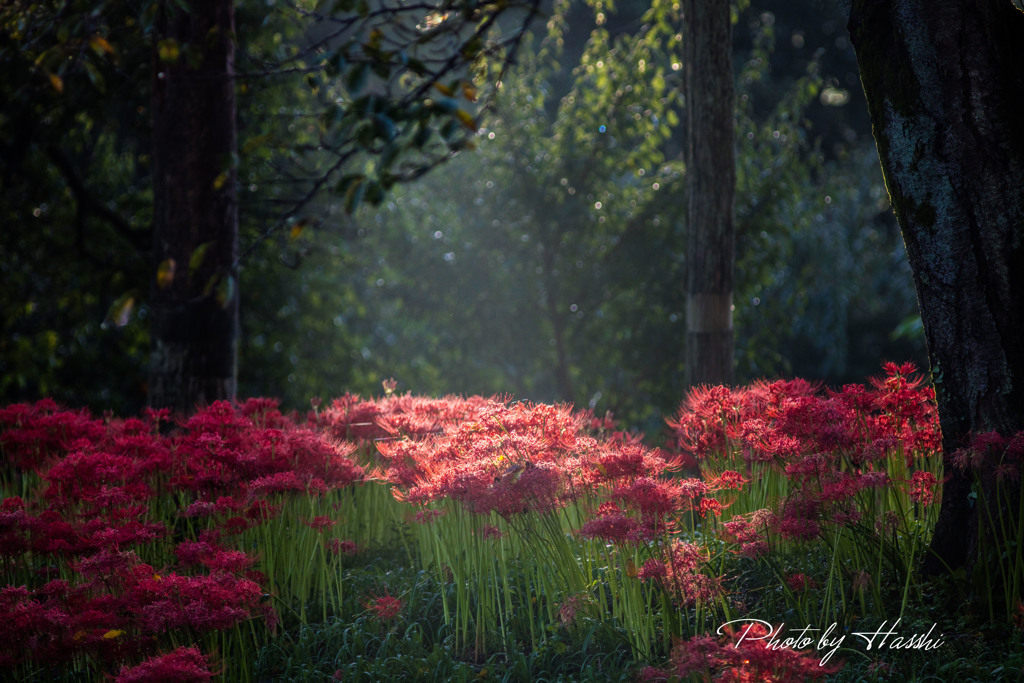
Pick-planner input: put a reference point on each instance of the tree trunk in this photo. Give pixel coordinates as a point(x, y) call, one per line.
point(711, 186)
point(194, 288)
point(944, 81)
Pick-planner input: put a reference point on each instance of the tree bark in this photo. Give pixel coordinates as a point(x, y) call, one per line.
point(194, 301)
point(711, 186)
point(944, 81)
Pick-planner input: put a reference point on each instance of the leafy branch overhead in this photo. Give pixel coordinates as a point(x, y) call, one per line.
point(376, 91)
point(396, 89)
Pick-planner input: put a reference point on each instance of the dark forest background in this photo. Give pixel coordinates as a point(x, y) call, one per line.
point(544, 263)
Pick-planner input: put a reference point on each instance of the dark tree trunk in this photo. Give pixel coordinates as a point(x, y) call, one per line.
point(944, 81)
point(711, 186)
point(194, 293)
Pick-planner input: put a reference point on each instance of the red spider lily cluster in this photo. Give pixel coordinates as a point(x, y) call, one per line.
point(120, 539)
point(519, 462)
point(95, 566)
point(517, 458)
point(742, 655)
point(832, 449)
point(184, 665)
point(994, 453)
point(791, 421)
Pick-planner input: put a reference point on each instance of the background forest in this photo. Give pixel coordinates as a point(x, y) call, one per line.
point(545, 263)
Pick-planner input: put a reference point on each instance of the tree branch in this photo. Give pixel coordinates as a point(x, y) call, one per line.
point(87, 203)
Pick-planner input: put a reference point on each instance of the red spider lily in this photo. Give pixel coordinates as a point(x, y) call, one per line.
point(800, 519)
point(264, 413)
point(108, 563)
point(652, 674)
point(33, 437)
point(339, 547)
point(749, 657)
point(261, 511)
point(922, 487)
point(658, 498)
point(783, 420)
point(710, 505)
point(319, 523)
point(353, 418)
point(652, 570)
point(427, 515)
point(873, 479)
point(386, 607)
point(97, 534)
point(201, 603)
point(276, 483)
point(861, 581)
point(1008, 472)
point(571, 606)
point(80, 476)
point(991, 449)
point(749, 531)
point(226, 450)
point(228, 505)
point(728, 479)
point(13, 527)
point(184, 665)
point(678, 572)
point(490, 532)
point(199, 508)
point(616, 527)
point(213, 557)
point(902, 394)
point(799, 583)
point(628, 462)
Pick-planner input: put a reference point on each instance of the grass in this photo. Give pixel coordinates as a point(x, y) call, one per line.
point(355, 646)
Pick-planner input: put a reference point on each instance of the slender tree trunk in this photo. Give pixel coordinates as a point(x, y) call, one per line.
point(194, 292)
point(711, 186)
point(944, 81)
point(563, 378)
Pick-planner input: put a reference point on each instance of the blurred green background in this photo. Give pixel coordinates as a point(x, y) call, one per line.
point(546, 263)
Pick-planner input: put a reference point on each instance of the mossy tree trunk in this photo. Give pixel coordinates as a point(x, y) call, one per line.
point(194, 300)
point(711, 187)
point(944, 81)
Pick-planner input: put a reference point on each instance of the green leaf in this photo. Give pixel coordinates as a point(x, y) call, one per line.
point(56, 82)
point(100, 45)
point(168, 51)
point(354, 194)
point(466, 119)
point(120, 312)
point(198, 256)
point(165, 273)
point(226, 291)
point(95, 76)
